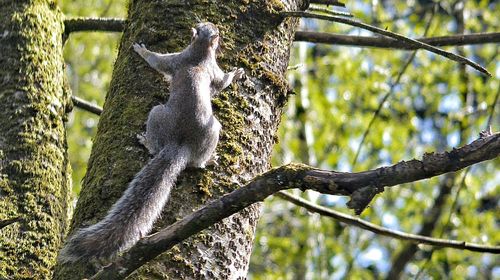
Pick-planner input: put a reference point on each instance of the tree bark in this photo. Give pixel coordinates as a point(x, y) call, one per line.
point(254, 37)
point(34, 168)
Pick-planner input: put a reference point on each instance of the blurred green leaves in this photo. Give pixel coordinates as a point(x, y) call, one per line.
point(435, 106)
point(89, 63)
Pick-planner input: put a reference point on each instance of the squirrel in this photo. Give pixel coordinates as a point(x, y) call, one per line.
point(181, 133)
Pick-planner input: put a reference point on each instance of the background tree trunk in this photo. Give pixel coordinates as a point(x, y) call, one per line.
point(34, 170)
point(254, 37)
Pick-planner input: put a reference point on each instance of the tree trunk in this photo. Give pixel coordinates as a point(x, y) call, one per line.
point(34, 170)
point(254, 37)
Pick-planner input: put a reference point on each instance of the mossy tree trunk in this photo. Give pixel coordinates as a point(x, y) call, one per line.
point(254, 37)
point(34, 170)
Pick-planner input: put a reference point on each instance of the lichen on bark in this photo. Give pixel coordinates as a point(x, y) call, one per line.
point(34, 169)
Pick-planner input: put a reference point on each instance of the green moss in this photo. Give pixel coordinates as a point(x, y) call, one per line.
point(205, 184)
point(33, 166)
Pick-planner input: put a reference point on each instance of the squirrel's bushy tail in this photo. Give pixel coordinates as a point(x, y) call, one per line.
point(133, 215)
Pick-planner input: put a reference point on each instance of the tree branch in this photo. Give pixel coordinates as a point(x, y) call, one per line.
point(328, 2)
point(393, 35)
point(383, 42)
point(361, 187)
point(94, 24)
point(415, 238)
point(7, 222)
point(117, 25)
point(85, 105)
point(329, 12)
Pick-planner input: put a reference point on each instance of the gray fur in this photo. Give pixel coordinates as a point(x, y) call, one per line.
point(183, 132)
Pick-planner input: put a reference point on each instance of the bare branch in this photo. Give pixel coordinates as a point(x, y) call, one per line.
point(94, 24)
point(383, 42)
point(328, 2)
point(390, 34)
point(415, 238)
point(7, 222)
point(87, 106)
point(361, 187)
point(329, 12)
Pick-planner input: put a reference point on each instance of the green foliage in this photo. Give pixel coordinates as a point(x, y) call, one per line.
point(89, 61)
point(436, 106)
point(34, 174)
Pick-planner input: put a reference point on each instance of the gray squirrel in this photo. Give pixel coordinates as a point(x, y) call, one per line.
point(183, 132)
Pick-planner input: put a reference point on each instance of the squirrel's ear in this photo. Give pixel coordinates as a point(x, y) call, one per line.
point(194, 33)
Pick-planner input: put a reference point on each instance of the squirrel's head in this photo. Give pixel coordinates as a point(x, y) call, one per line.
point(206, 33)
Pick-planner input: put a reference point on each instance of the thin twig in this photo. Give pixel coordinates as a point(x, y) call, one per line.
point(415, 238)
point(384, 42)
point(328, 2)
point(87, 106)
point(397, 36)
point(329, 12)
point(294, 67)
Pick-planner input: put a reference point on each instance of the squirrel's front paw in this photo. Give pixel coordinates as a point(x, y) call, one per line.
point(139, 48)
point(238, 73)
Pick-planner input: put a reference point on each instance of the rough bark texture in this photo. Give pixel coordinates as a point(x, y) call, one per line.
point(34, 170)
point(255, 38)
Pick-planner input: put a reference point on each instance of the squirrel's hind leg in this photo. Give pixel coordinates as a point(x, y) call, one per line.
point(204, 152)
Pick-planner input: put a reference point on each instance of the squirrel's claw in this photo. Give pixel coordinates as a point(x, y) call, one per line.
point(139, 48)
